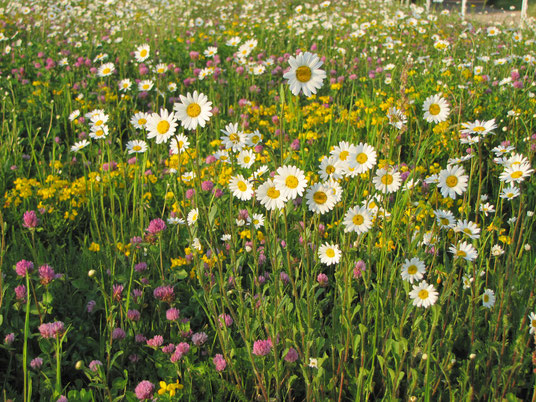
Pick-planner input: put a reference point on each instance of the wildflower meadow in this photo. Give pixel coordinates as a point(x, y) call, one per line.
point(263, 200)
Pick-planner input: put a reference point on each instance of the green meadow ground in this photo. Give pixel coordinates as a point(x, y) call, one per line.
point(265, 201)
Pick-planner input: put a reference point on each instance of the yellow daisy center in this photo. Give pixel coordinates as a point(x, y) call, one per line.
point(434, 109)
point(343, 155)
point(273, 193)
point(330, 253)
point(242, 186)
point(387, 179)
point(358, 219)
point(247, 159)
point(330, 169)
point(412, 269)
point(486, 298)
point(479, 129)
point(99, 123)
point(451, 181)
point(106, 71)
point(303, 74)
point(461, 253)
point(444, 221)
point(99, 133)
point(467, 231)
point(193, 110)
point(320, 197)
point(423, 294)
point(291, 181)
point(136, 148)
point(533, 323)
point(142, 122)
point(361, 158)
point(162, 127)
point(143, 53)
point(517, 174)
point(234, 138)
point(255, 139)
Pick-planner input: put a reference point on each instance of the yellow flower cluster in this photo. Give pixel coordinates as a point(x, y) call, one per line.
point(170, 388)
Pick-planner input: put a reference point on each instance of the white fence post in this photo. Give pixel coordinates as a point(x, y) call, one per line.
point(524, 7)
point(464, 7)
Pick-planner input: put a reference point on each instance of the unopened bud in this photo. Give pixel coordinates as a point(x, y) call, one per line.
point(79, 364)
point(91, 273)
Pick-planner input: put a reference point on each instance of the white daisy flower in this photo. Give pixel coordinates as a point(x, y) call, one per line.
point(161, 126)
point(468, 228)
point(362, 158)
point(481, 128)
point(305, 74)
point(488, 298)
point(79, 145)
point(497, 250)
point(241, 187)
point(329, 254)
point(436, 109)
point(254, 138)
point(387, 180)
point(413, 270)
point(510, 193)
point(139, 120)
point(464, 250)
point(342, 152)
point(358, 220)
point(330, 168)
point(290, 181)
point(532, 323)
point(269, 196)
point(99, 133)
point(319, 198)
point(179, 144)
point(423, 295)
point(233, 138)
point(142, 53)
point(445, 219)
point(136, 146)
point(246, 158)
point(74, 115)
point(145, 85)
point(194, 110)
point(452, 181)
point(192, 217)
point(257, 220)
point(516, 173)
point(124, 85)
point(106, 69)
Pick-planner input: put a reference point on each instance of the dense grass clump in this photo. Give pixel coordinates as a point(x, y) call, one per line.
point(265, 201)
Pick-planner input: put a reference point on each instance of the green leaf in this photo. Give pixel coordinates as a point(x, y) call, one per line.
point(511, 397)
point(182, 274)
